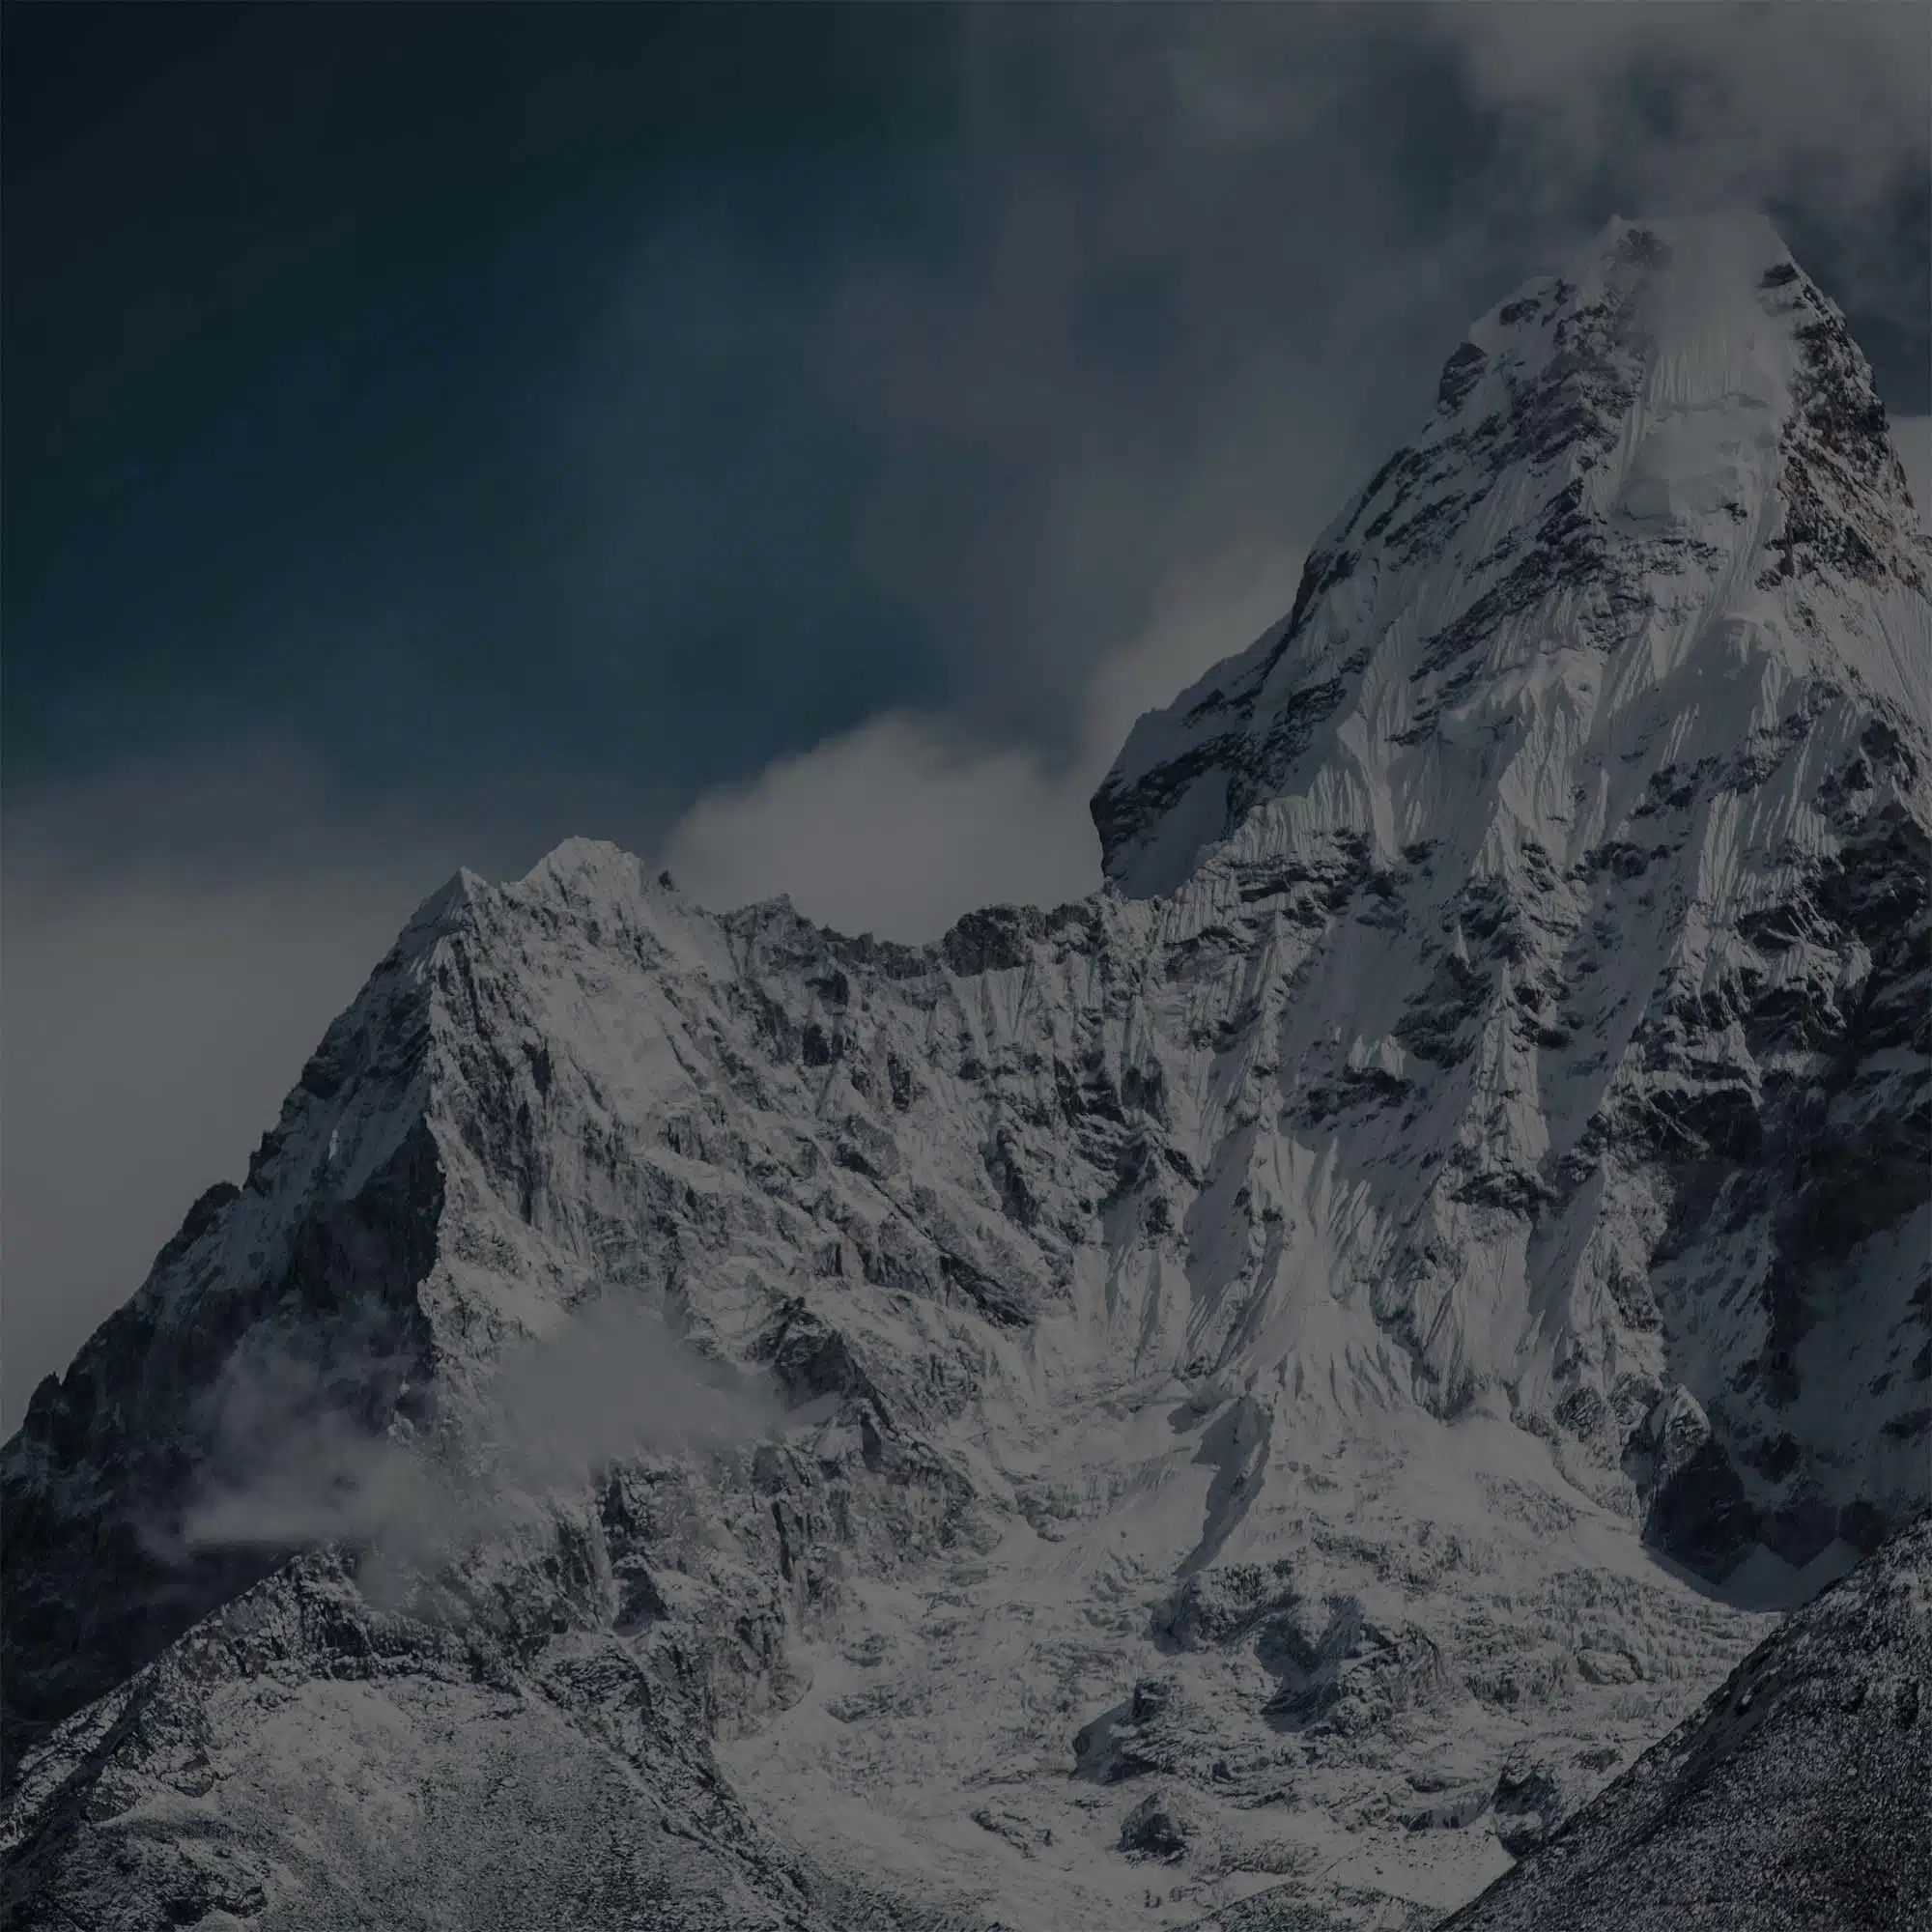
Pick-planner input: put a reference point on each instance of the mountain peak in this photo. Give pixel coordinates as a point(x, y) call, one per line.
point(586, 865)
point(1679, 305)
point(1670, 457)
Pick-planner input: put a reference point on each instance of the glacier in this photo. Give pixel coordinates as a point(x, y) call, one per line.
point(1251, 1394)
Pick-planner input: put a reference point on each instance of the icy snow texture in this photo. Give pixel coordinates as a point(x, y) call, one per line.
point(1239, 1330)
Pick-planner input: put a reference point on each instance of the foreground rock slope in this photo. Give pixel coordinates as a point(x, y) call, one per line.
point(1796, 1795)
point(1270, 1384)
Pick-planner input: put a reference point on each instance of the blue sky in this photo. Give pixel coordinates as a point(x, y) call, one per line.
point(431, 431)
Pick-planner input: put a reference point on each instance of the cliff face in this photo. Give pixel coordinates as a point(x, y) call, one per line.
point(1589, 780)
point(1223, 1338)
point(294, 1294)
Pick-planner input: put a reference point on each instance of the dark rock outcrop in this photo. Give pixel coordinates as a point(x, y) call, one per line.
point(1794, 1801)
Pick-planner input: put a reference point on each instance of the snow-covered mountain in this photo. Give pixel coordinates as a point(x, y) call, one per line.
point(1175, 1398)
point(1600, 720)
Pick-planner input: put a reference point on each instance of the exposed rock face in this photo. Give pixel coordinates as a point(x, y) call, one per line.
point(1528, 1803)
point(1240, 1322)
point(1584, 791)
point(1695, 1505)
point(1796, 1797)
point(300, 1760)
point(1161, 1826)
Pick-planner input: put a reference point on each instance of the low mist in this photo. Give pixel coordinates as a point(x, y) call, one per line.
point(613, 1381)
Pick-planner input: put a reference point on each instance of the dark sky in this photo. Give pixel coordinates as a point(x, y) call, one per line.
point(439, 390)
point(431, 430)
point(536, 416)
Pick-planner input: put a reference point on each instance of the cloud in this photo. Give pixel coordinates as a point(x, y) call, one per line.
point(1709, 104)
point(894, 829)
point(613, 1381)
point(902, 826)
point(1820, 114)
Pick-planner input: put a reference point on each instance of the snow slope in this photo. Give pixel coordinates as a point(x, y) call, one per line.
point(1600, 717)
point(1277, 1378)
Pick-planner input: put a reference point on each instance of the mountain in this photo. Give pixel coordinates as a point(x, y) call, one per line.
point(1796, 1795)
point(1608, 697)
point(1273, 1381)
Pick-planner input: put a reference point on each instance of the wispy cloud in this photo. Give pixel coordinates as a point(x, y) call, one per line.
point(1709, 104)
point(903, 825)
point(613, 1381)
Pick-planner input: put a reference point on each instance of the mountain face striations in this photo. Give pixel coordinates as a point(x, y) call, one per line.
point(1248, 1396)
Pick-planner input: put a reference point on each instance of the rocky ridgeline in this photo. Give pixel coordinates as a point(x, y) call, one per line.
point(1138, 1405)
point(1795, 1796)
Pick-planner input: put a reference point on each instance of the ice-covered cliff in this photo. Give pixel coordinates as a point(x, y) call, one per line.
point(1162, 1396)
point(1586, 786)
